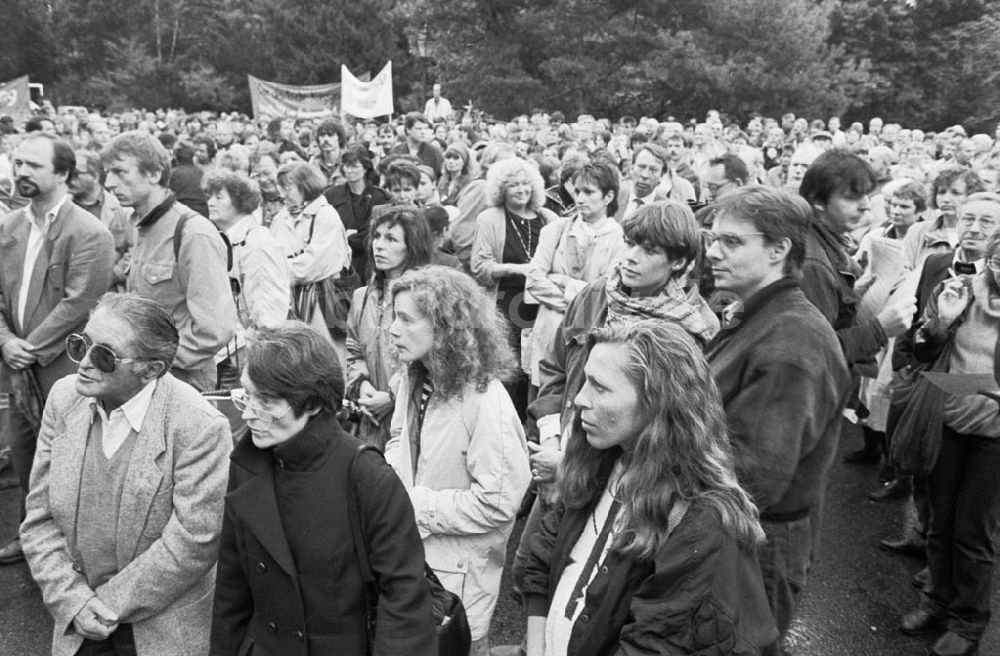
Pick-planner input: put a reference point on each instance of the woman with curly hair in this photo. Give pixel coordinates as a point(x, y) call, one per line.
point(457, 442)
point(507, 237)
point(400, 240)
point(652, 547)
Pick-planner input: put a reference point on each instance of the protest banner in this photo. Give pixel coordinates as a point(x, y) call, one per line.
point(15, 99)
point(366, 99)
point(274, 100)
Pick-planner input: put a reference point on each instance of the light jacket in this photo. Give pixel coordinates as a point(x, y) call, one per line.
point(193, 285)
point(168, 524)
point(487, 249)
point(466, 487)
point(315, 242)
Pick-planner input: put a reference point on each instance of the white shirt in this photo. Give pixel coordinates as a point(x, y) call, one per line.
point(128, 417)
point(36, 234)
point(437, 109)
point(635, 202)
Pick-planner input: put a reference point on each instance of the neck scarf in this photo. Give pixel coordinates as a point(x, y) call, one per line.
point(673, 302)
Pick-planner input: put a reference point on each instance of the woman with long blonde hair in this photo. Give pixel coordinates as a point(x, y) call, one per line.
point(653, 542)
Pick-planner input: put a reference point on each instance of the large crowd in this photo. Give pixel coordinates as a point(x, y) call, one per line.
point(281, 387)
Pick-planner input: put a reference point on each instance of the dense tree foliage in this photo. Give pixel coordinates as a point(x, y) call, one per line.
point(926, 62)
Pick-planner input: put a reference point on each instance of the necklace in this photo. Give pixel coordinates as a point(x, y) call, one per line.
point(518, 225)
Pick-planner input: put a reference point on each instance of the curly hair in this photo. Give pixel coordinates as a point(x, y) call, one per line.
point(506, 172)
point(470, 336)
point(682, 448)
point(243, 191)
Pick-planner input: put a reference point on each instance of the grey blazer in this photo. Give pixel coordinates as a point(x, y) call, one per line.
point(168, 523)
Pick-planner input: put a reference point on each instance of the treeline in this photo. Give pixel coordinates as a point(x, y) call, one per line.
point(926, 63)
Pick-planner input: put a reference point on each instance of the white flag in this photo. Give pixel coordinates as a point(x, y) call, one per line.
point(366, 99)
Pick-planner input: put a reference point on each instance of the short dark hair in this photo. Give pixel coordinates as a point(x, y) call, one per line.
point(437, 219)
point(359, 154)
point(605, 177)
point(243, 192)
point(202, 140)
point(294, 362)
point(915, 192)
point(183, 153)
point(154, 333)
point(416, 231)
point(399, 171)
point(63, 157)
point(330, 126)
point(413, 118)
point(775, 212)
point(306, 178)
point(669, 225)
point(735, 168)
point(837, 171)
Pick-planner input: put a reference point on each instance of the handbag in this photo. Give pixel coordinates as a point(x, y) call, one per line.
point(331, 295)
point(916, 418)
point(453, 632)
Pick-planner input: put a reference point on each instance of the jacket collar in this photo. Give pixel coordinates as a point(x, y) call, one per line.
point(157, 212)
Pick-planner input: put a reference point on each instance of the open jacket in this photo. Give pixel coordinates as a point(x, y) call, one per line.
point(167, 527)
point(701, 593)
point(466, 469)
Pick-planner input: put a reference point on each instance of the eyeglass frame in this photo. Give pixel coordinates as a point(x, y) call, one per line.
point(240, 397)
point(993, 264)
point(89, 343)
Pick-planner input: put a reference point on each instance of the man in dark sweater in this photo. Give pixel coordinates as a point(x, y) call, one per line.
point(782, 376)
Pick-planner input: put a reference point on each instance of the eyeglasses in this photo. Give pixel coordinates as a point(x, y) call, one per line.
point(728, 240)
point(986, 224)
point(242, 402)
point(101, 356)
point(993, 264)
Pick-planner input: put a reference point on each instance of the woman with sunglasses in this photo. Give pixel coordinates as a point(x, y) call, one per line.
point(288, 572)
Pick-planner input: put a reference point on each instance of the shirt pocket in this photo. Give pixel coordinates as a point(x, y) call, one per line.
point(55, 277)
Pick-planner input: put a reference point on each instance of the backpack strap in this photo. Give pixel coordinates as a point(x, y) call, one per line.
point(354, 513)
point(179, 237)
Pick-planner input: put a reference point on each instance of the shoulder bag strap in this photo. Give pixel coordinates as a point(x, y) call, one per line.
point(354, 512)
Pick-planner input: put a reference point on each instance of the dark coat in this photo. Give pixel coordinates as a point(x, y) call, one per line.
point(828, 277)
point(340, 197)
point(700, 594)
point(937, 268)
point(783, 382)
point(259, 595)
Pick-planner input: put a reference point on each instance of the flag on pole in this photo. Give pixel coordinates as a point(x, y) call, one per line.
point(366, 99)
point(15, 99)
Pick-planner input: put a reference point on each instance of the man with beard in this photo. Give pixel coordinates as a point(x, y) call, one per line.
point(55, 262)
point(88, 192)
point(331, 139)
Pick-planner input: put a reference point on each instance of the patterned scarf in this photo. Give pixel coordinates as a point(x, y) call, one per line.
point(686, 307)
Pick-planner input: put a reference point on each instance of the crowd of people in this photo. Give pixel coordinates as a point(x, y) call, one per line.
point(643, 337)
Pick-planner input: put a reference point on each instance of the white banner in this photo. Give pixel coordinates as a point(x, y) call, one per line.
point(366, 99)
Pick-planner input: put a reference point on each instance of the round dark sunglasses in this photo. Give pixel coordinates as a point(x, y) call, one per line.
point(101, 356)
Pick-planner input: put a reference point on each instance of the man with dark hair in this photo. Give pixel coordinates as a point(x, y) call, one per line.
point(782, 377)
point(724, 175)
point(419, 142)
point(88, 192)
point(55, 262)
point(204, 151)
point(179, 259)
point(331, 139)
point(125, 509)
point(186, 177)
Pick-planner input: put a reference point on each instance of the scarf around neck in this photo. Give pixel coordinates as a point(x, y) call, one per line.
point(673, 302)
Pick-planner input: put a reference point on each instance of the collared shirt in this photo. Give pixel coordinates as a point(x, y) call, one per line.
point(36, 235)
point(128, 417)
point(979, 264)
point(635, 202)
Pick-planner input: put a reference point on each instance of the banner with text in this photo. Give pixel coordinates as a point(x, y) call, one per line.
point(273, 100)
point(366, 99)
point(15, 99)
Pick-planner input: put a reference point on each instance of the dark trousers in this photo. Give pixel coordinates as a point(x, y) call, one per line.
point(119, 643)
point(964, 493)
point(23, 438)
point(784, 562)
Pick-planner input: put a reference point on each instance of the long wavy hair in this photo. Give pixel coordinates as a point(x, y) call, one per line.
point(416, 232)
point(470, 336)
point(681, 450)
point(450, 185)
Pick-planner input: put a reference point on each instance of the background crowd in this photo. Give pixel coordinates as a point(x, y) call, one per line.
point(657, 326)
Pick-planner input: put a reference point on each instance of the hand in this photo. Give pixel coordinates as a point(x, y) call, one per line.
point(378, 403)
point(95, 621)
point(952, 301)
point(18, 353)
point(898, 315)
point(544, 463)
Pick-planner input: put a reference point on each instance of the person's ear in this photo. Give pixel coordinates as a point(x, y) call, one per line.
point(153, 369)
point(780, 250)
